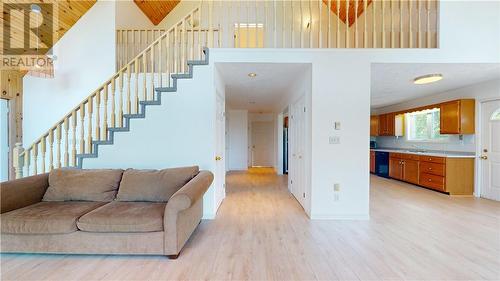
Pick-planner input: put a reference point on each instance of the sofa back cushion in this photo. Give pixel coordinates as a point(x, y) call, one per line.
point(153, 185)
point(83, 185)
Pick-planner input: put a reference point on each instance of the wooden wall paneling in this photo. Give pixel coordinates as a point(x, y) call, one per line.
point(156, 10)
point(11, 85)
point(65, 14)
point(350, 13)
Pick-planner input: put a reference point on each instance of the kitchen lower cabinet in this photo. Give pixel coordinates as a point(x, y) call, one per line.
point(372, 162)
point(411, 171)
point(454, 176)
point(395, 167)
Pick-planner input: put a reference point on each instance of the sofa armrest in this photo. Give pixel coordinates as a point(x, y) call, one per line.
point(23, 192)
point(191, 192)
point(183, 212)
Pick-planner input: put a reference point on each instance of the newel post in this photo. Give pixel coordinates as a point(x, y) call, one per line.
point(18, 160)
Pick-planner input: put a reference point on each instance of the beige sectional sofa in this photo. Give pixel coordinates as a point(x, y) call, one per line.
point(146, 212)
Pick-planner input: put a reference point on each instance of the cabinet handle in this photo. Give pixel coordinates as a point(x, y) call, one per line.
point(430, 169)
point(429, 180)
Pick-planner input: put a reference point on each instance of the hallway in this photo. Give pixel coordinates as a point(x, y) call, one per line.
point(261, 232)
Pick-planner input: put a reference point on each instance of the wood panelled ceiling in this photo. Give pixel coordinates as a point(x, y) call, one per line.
point(352, 9)
point(63, 16)
point(156, 10)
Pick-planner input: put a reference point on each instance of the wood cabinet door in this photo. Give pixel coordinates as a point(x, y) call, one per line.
point(372, 161)
point(395, 170)
point(382, 128)
point(391, 121)
point(374, 126)
point(450, 117)
point(410, 171)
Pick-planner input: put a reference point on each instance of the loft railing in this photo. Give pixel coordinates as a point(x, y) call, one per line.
point(89, 121)
point(325, 23)
point(130, 42)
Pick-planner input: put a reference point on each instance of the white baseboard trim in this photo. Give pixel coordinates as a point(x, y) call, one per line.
point(340, 217)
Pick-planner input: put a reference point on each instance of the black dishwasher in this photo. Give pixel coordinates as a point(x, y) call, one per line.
point(382, 164)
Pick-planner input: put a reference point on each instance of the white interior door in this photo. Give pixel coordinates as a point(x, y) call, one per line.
point(490, 150)
point(297, 148)
point(262, 144)
point(220, 173)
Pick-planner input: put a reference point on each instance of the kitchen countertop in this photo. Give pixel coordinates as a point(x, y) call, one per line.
point(437, 153)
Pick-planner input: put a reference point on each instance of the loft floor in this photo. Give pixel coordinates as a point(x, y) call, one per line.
point(261, 232)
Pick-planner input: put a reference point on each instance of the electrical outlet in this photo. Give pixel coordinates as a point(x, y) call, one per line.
point(334, 139)
point(336, 197)
point(336, 187)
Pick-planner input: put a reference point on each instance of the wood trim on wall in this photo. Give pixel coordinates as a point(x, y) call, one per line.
point(11, 85)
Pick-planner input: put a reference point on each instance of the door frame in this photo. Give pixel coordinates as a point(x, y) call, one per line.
point(307, 150)
point(220, 185)
point(479, 138)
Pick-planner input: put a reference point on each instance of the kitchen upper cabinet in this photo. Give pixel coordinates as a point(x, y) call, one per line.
point(457, 117)
point(374, 125)
point(386, 124)
point(390, 124)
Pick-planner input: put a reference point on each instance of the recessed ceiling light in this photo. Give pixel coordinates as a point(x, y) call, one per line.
point(252, 75)
point(426, 79)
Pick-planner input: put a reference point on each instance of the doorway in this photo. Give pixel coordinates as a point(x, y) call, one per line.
point(262, 144)
point(297, 175)
point(490, 149)
point(249, 35)
point(259, 97)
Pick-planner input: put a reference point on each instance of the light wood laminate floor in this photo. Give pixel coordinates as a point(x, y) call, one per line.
point(261, 232)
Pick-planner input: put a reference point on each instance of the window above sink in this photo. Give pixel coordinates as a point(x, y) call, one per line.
point(424, 126)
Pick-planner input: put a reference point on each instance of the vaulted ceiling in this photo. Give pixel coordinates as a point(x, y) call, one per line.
point(342, 7)
point(156, 10)
point(63, 15)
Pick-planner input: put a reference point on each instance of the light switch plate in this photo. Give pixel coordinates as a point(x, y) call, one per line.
point(334, 139)
point(337, 125)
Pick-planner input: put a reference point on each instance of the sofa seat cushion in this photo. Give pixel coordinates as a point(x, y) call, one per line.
point(46, 217)
point(124, 217)
point(83, 185)
point(153, 185)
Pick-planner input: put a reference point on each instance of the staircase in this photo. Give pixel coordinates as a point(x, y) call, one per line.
point(142, 112)
point(125, 96)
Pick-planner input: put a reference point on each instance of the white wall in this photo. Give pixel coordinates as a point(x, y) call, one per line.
point(85, 59)
point(180, 132)
point(237, 145)
point(129, 16)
